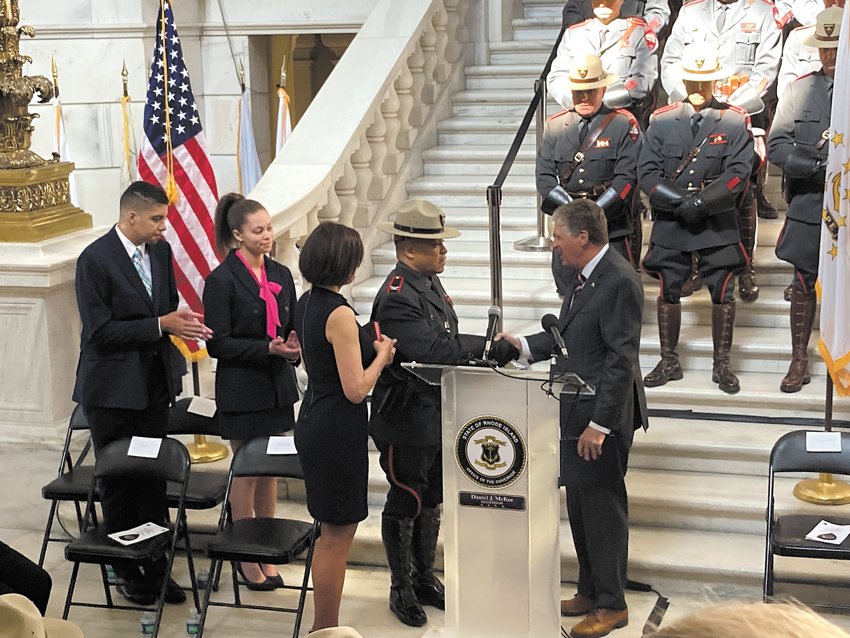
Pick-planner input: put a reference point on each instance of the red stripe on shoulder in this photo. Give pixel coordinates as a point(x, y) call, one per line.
point(558, 114)
point(638, 21)
point(628, 114)
point(395, 284)
point(804, 76)
point(664, 109)
point(580, 24)
point(738, 109)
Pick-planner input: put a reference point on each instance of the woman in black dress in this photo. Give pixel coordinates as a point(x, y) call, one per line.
point(250, 300)
point(343, 363)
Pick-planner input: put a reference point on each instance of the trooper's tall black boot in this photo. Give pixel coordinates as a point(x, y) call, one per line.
point(397, 534)
point(429, 590)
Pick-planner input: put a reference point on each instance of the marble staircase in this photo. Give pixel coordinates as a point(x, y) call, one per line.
point(698, 478)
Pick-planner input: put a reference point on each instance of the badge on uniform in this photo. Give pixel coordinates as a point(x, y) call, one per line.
point(748, 27)
point(395, 284)
point(603, 142)
point(634, 131)
point(720, 138)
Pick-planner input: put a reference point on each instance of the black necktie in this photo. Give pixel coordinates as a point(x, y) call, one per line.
point(696, 119)
point(582, 130)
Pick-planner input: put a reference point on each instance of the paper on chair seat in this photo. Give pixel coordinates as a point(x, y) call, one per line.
point(138, 534)
point(823, 441)
point(826, 532)
point(202, 406)
point(281, 445)
point(144, 447)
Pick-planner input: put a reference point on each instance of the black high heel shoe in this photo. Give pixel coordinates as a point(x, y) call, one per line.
point(265, 585)
point(276, 580)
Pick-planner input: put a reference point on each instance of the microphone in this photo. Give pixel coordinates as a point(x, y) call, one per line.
point(493, 317)
point(550, 325)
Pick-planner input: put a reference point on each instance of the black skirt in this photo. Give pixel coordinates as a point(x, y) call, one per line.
point(244, 426)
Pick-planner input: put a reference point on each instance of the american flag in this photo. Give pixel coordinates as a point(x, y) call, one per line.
point(174, 145)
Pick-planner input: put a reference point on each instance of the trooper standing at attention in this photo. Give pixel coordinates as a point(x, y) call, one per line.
point(799, 145)
point(590, 151)
point(746, 38)
point(694, 167)
point(406, 423)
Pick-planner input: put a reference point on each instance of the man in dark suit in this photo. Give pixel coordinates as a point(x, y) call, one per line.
point(127, 300)
point(600, 323)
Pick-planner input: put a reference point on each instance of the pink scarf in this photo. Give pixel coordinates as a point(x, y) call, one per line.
point(268, 293)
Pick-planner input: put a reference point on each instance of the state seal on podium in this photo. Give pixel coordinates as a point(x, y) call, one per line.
point(490, 452)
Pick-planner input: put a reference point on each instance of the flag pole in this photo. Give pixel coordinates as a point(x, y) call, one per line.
point(201, 450)
point(824, 490)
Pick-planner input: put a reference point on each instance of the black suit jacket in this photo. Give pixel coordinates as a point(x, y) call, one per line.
point(602, 333)
point(120, 330)
point(248, 378)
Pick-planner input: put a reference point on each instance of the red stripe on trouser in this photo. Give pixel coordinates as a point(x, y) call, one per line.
point(629, 251)
point(746, 256)
point(400, 485)
point(723, 288)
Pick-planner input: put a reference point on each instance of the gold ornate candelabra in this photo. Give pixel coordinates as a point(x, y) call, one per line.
point(34, 192)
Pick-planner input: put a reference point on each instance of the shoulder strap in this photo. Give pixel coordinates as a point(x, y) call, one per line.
point(592, 136)
point(702, 132)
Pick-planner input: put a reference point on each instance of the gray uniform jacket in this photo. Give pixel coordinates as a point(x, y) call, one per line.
point(611, 161)
point(750, 44)
point(726, 155)
point(801, 119)
point(798, 59)
point(627, 47)
point(416, 311)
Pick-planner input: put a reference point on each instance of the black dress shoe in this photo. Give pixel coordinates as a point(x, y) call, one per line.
point(137, 593)
point(174, 594)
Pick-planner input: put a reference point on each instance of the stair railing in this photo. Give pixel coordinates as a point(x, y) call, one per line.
point(536, 108)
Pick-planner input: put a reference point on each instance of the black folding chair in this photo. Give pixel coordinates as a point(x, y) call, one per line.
point(95, 547)
point(205, 489)
point(275, 541)
point(786, 535)
point(72, 480)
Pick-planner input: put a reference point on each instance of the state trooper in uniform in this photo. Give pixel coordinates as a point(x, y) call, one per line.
point(694, 166)
point(748, 41)
point(799, 144)
point(591, 151)
point(405, 421)
point(627, 47)
point(798, 12)
point(799, 58)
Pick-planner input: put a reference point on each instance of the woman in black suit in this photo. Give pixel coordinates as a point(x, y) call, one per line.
point(250, 299)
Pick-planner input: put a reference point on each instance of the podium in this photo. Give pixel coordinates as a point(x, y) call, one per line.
point(501, 510)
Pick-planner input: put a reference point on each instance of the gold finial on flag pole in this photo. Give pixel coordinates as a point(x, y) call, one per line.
point(54, 69)
point(125, 78)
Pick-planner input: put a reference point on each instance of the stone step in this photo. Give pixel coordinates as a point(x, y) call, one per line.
point(521, 52)
point(543, 8)
point(542, 29)
point(492, 102)
point(519, 77)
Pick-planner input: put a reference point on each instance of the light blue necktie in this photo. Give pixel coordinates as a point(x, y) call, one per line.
point(146, 280)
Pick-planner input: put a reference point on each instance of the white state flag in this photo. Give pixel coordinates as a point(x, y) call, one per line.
point(60, 141)
point(247, 159)
point(284, 121)
point(834, 268)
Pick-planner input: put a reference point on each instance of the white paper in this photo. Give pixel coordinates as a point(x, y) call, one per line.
point(281, 445)
point(144, 447)
point(138, 534)
point(203, 406)
point(826, 532)
point(823, 441)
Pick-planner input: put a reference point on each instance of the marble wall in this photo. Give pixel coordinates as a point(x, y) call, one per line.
point(91, 39)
